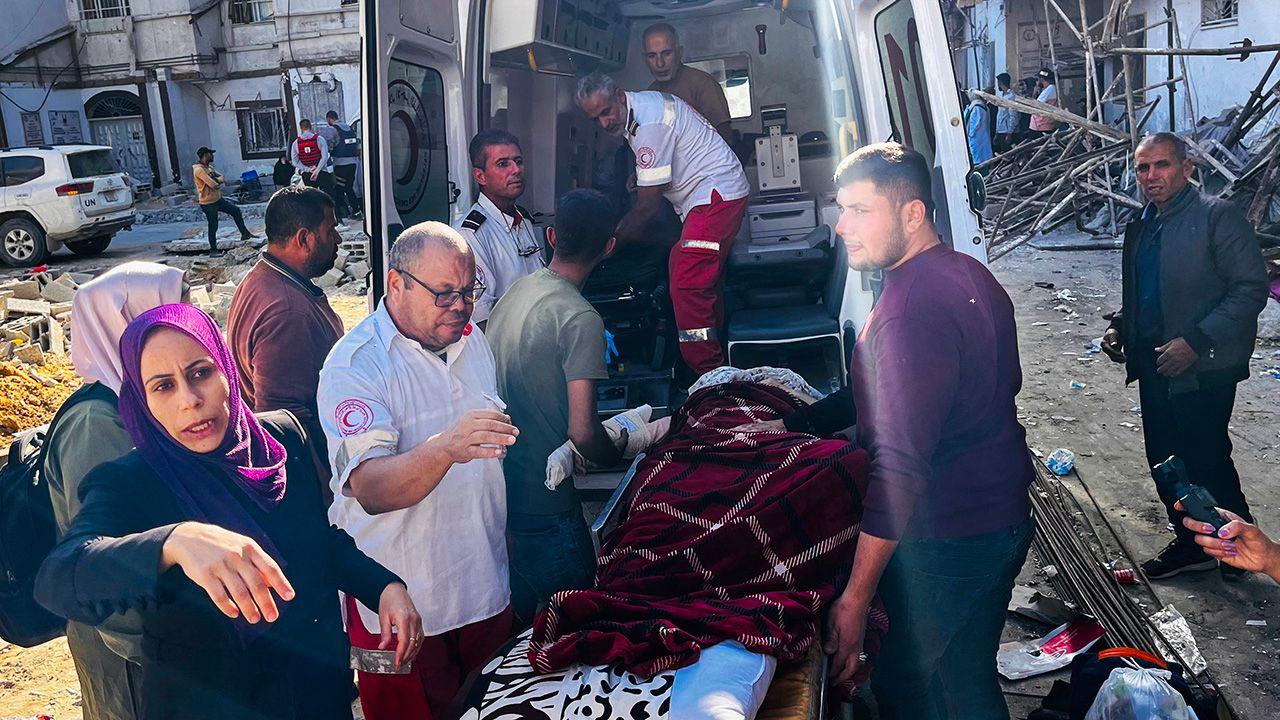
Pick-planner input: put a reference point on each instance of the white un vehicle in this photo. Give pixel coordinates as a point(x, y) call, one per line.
point(60, 195)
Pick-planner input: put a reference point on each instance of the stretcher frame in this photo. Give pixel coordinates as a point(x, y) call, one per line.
point(607, 520)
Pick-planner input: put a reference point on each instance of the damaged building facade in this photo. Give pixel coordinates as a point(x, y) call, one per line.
point(156, 79)
point(994, 36)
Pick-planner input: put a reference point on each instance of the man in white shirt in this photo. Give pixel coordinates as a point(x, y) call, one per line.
point(1006, 118)
point(679, 156)
point(1047, 83)
point(409, 404)
point(500, 233)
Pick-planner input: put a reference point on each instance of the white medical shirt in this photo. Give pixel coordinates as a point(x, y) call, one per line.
point(506, 248)
point(674, 144)
point(382, 394)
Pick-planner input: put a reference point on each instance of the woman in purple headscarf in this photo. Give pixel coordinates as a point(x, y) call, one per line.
point(214, 530)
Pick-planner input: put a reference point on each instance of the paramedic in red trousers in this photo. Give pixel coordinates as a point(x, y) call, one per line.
point(679, 156)
point(946, 521)
point(416, 436)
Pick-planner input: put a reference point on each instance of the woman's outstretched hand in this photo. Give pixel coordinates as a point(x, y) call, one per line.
point(233, 569)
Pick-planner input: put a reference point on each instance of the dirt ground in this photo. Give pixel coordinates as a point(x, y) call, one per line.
point(1098, 421)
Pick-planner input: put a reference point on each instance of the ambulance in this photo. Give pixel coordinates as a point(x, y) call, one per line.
point(807, 81)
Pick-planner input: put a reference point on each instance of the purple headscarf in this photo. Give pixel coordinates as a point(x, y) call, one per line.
point(248, 454)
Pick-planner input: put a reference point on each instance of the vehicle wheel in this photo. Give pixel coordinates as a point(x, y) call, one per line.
point(22, 243)
point(92, 246)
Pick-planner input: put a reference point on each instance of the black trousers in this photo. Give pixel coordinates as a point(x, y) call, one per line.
point(1193, 426)
point(344, 181)
point(211, 216)
point(325, 183)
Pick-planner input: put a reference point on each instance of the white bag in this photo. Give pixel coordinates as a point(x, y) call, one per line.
point(1139, 694)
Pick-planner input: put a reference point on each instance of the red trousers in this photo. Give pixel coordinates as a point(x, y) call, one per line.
point(697, 279)
point(437, 673)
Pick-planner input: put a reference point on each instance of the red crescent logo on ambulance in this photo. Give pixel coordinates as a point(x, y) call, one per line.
point(644, 157)
point(353, 416)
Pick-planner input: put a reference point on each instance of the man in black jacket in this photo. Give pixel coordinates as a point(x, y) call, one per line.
point(1193, 284)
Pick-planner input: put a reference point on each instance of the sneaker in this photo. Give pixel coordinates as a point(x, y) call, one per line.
point(1231, 573)
point(1176, 558)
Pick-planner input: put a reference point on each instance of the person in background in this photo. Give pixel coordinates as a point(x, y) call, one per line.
point(548, 346)
point(946, 523)
point(409, 403)
point(1006, 118)
point(977, 122)
point(209, 184)
point(310, 155)
point(1194, 282)
point(344, 151)
point(1026, 89)
point(1047, 87)
point(281, 326)
point(283, 171)
point(664, 55)
point(500, 233)
point(678, 156)
point(1239, 544)
point(201, 528)
point(90, 432)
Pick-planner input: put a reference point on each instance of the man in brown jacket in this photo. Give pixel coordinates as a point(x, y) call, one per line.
point(209, 184)
point(281, 325)
point(664, 55)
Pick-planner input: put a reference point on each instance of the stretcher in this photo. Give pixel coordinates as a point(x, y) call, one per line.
point(798, 690)
point(508, 687)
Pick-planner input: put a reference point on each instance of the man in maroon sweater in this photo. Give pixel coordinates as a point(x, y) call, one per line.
point(946, 523)
point(281, 326)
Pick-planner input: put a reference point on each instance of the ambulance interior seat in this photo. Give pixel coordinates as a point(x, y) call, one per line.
point(786, 275)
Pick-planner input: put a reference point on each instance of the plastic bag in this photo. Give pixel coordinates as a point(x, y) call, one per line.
point(1138, 694)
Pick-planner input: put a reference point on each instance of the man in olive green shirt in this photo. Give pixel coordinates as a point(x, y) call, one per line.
point(548, 347)
point(664, 55)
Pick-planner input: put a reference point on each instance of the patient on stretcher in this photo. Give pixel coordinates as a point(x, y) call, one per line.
point(736, 534)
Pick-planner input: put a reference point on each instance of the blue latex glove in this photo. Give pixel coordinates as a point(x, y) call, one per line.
point(610, 348)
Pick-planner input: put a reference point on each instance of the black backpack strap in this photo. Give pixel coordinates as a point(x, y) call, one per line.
point(92, 391)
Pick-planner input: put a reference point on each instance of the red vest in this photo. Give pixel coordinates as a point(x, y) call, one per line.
point(309, 151)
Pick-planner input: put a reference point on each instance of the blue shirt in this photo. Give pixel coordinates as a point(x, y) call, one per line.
point(1150, 319)
point(979, 127)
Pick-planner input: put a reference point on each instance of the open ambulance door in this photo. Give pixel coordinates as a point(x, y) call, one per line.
point(910, 95)
point(417, 109)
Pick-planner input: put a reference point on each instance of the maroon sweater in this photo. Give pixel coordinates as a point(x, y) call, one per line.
point(934, 373)
point(281, 328)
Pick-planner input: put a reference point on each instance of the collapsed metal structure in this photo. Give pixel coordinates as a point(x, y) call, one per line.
point(1084, 172)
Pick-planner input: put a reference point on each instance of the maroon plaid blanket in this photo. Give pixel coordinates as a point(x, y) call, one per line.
point(727, 536)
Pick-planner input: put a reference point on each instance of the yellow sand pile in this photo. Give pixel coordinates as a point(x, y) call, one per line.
point(26, 401)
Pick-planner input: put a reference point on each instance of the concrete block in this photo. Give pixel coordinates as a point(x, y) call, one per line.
point(358, 270)
point(48, 334)
point(81, 278)
point(223, 289)
point(24, 289)
point(200, 296)
point(28, 307)
point(56, 309)
point(331, 278)
point(6, 350)
point(29, 353)
point(56, 292)
point(66, 279)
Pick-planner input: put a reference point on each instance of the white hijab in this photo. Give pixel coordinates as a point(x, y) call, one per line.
point(104, 306)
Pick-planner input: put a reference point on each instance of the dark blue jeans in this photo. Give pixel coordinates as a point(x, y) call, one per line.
point(549, 553)
point(946, 599)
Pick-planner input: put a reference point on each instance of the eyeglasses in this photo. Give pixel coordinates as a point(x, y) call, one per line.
point(467, 295)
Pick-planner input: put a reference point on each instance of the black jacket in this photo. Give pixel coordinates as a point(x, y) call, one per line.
point(1213, 285)
point(194, 663)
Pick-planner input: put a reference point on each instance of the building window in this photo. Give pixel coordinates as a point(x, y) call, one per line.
point(251, 11)
point(100, 9)
point(1219, 12)
point(262, 129)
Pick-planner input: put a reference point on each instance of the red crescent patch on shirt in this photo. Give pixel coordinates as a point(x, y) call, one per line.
point(644, 157)
point(353, 417)
point(466, 330)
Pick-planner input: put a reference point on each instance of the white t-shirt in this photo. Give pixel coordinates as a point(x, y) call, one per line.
point(382, 394)
point(506, 249)
point(674, 144)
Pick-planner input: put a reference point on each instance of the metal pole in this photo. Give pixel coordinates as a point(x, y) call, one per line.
point(1168, 11)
